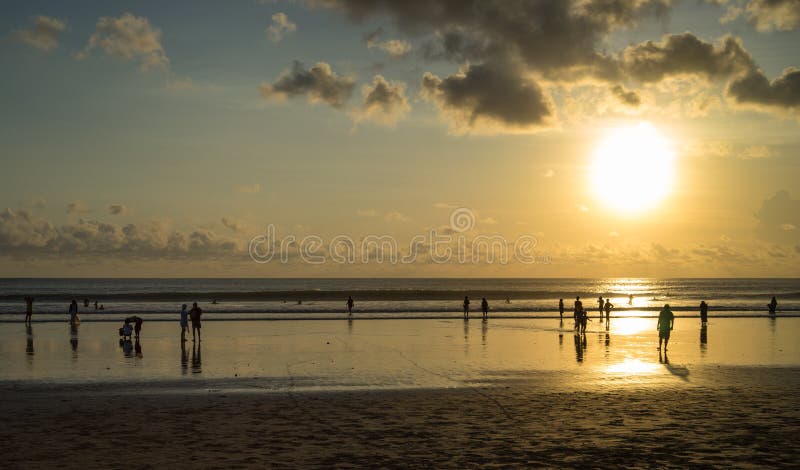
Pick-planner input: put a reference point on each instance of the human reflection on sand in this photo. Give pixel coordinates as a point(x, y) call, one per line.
point(73, 340)
point(197, 362)
point(29, 340)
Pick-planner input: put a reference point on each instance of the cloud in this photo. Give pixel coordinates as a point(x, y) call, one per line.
point(234, 225)
point(396, 48)
point(626, 97)
point(766, 15)
point(43, 34)
point(685, 54)
point(254, 188)
point(775, 215)
point(756, 151)
point(384, 102)
point(396, 217)
point(25, 236)
point(129, 37)
point(489, 98)
point(367, 213)
point(117, 209)
point(754, 89)
point(319, 83)
point(77, 208)
point(280, 27)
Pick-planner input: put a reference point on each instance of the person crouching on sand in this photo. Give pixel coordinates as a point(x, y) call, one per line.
point(666, 321)
point(184, 322)
point(194, 315)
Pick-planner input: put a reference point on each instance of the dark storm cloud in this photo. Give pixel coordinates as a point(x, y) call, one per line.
point(755, 89)
point(319, 83)
point(685, 53)
point(494, 92)
point(626, 97)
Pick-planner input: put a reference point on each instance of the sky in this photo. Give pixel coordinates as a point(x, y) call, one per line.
point(193, 138)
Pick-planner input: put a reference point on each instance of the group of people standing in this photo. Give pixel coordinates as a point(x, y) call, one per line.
point(581, 315)
point(192, 315)
point(484, 307)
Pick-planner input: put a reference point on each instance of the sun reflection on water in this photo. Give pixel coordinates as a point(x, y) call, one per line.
point(630, 326)
point(632, 366)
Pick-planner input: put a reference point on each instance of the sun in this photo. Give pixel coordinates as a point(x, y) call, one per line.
point(633, 169)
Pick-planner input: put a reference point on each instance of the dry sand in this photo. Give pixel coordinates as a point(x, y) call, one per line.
point(740, 416)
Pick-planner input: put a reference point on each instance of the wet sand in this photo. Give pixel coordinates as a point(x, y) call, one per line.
point(409, 393)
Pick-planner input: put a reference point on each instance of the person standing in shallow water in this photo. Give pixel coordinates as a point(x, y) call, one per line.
point(666, 321)
point(703, 312)
point(561, 308)
point(608, 308)
point(577, 311)
point(184, 322)
point(466, 307)
point(600, 304)
point(73, 312)
point(350, 304)
point(485, 308)
point(194, 315)
point(773, 305)
point(28, 308)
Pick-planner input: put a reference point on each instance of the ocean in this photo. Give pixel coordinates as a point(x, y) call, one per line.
point(248, 299)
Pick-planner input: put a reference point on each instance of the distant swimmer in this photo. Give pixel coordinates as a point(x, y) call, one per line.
point(28, 308)
point(772, 305)
point(608, 308)
point(485, 308)
point(350, 304)
point(508, 300)
point(703, 312)
point(561, 308)
point(86, 303)
point(466, 307)
point(666, 321)
point(600, 304)
point(102, 307)
point(214, 302)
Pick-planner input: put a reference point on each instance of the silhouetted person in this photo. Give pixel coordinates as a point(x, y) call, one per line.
point(196, 359)
point(666, 321)
point(102, 307)
point(137, 326)
point(561, 308)
point(350, 304)
point(508, 300)
point(584, 318)
point(184, 322)
point(772, 305)
point(466, 307)
point(73, 312)
point(577, 311)
point(28, 308)
point(630, 299)
point(485, 308)
point(608, 308)
point(703, 312)
point(95, 305)
point(194, 314)
point(86, 303)
point(600, 304)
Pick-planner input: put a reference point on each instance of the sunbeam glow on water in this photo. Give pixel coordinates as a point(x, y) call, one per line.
point(632, 366)
point(631, 326)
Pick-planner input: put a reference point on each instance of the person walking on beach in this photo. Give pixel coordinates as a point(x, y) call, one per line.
point(28, 308)
point(350, 304)
point(466, 307)
point(184, 322)
point(772, 305)
point(608, 308)
point(600, 304)
point(73, 312)
point(703, 312)
point(561, 308)
point(194, 315)
point(577, 311)
point(666, 321)
point(485, 308)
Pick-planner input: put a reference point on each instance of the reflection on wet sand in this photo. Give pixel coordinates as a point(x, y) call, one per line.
point(73, 339)
point(350, 326)
point(127, 347)
point(196, 359)
point(184, 359)
point(29, 340)
point(580, 346)
point(484, 331)
point(703, 339)
point(681, 372)
point(137, 348)
point(560, 333)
